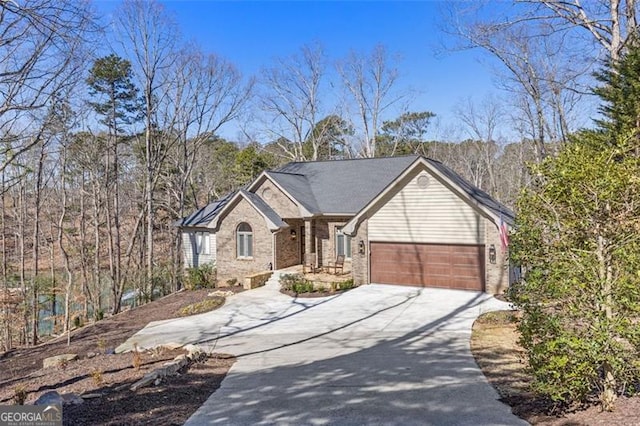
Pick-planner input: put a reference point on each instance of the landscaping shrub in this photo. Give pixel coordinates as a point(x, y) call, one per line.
point(346, 285)
point(136, 359)
point(19, 395)
point(97, 377)
point(201, 277)
point(296, 283)
point(304, 286)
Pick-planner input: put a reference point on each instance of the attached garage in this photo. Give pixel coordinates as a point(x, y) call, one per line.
point(425, 234)
point(453, 266)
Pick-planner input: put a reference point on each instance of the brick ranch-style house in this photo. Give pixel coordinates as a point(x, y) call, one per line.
point(399, 220)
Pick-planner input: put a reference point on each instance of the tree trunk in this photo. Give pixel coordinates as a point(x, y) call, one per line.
point(86, 292)
point(149, 192)
point(36, 245)
point(22, 230)
point(96, 252)
point(63, 251)
point(608, 394)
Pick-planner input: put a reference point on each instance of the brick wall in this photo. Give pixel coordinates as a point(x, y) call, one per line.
point(277, 200)
point(228, 265)
point(497, 275)
point(288, 250)
point(360, 262)
point(326, 238)
point(322, 241)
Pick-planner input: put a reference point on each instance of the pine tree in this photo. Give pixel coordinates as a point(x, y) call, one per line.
point(110, 80)
point(620, 93)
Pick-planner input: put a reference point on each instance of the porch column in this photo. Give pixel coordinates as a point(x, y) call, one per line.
point(308, 238)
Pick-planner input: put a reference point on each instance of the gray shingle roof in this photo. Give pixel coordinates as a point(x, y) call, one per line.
point(340, 186)
point(298, 187)
point(203, 216)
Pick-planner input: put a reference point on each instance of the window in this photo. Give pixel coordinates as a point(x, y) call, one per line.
point(244, 240)
point(202, 243)
point(343, 244)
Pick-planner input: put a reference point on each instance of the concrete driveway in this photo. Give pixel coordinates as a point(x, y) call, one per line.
point(375, 355)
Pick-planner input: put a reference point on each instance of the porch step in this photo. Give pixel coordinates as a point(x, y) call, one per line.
point(274, 281)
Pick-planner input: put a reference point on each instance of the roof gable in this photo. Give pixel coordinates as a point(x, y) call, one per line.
point(472, 195)
point(274, 222)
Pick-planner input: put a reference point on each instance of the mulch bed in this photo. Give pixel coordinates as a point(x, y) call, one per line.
point(172, 402)
point(494, 345)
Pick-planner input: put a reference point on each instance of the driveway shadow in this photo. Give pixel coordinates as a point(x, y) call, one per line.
point(424, 376)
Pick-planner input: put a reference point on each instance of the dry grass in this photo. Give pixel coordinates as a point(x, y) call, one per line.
point(203, 306)
point(494, 344)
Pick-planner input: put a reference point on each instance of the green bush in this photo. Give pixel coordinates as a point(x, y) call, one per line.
point(304, 286)
point(346, 285)
point(201, 277)
point(296, 283)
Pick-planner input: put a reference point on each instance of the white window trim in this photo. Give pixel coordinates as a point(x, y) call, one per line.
point(202, 243)
point(346, 244)
point(245, 236)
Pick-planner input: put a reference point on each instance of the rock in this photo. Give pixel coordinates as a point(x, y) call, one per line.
point(91, 354)
point(146, 380)
point(71, 399)
point(172, 345)
point(221, 293)
point(58, 360)
point(172, 368)
point(157, 382)
point(192, 348)
point(49, 398)
point(54, 398)
point(91, 395)
point(195, 353)
point(122, 387)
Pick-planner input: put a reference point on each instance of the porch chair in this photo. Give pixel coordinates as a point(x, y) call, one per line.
point(338, 264)
point(310, 263)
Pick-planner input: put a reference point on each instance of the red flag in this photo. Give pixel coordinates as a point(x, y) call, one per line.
point(504, 235)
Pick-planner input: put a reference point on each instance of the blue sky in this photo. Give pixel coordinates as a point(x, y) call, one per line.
point(251, 33)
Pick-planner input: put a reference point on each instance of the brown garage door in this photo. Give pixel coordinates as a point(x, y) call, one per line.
point(428, 265)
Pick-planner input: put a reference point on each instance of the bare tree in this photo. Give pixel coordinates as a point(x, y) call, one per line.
point(150, 36)
point(41, 48)
point(291, 98)
point(612, 24)
point(207, 93)
point(481, 122)
point(370, 81)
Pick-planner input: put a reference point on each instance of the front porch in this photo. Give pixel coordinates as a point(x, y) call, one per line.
point(320, 276)
point(314, 242)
